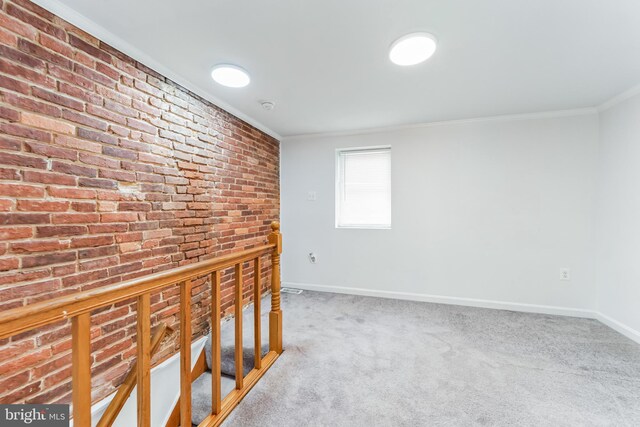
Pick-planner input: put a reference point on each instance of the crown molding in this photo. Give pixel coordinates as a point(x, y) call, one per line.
point(621, 97)
point(499, 118)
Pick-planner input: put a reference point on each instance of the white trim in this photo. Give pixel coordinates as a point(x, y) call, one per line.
point(621, 97)
point(474, 302)
point(470, 302)
point(72, 16)
point(620, 327)
point(499, 118)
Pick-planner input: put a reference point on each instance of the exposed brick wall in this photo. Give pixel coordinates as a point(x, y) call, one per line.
point(109, 171)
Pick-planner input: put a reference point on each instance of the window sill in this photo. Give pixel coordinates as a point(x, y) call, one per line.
point(364, 227)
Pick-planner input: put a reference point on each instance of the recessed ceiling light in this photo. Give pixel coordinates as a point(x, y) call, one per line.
point(412, 49)
point(230, 75)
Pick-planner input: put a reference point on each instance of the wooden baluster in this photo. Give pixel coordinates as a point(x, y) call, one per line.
point(185, 353)
point(81, 369)
point(143, 364)
point(275, 316)
point(216, 391)
point(257, 332)
point(238, 318)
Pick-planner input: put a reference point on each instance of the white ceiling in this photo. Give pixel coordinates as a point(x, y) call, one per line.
point(324, 63)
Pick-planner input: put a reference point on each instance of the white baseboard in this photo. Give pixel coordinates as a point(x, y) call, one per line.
point(474, 302)
point(470, 302)
point(620, 327)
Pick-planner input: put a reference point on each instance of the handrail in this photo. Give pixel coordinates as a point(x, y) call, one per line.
point(78, 307)
point(21, 319)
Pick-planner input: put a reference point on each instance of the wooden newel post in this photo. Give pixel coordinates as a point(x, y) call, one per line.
point(275, 316)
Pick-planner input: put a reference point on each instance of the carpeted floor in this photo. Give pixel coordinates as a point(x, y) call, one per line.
point(360, 361)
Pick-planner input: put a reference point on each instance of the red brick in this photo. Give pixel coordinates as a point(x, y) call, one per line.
point(83, 278)
point(6, 37)
point(91, 50)
point(48, 178)
point(20, 160)
point(17, 26)
point(97, 183)
point(18, 395)
point(32, 105)
point(19, 190)
point(15, 381)
point(31, 19)
point(77, 144)
point(107, 228)
point(51, 151)
point(117, 175)
point(83, 206)
point(134, 206)
point(83, 242)
point(73, 169)
point(101, 161)
point(22, 276)
point(126, 268)
point(32, 7)
point(71, 193)
point(61, 230)
point(40, 205)
point(75, 218)
point(95, 77)
point(55, 258)
point(119, 217)
point(119, 153)
point(38, 246)
point(9, 263)
point(23, 218)
point(97, 252)
point(97, 136)
point(56, 45)
point(16, 129)
point(98, 263)
point(9, 143)
point(39, 52)
point(14, 85)
point(29, 289)
point(42, 122)
point(9, 114)
point(84, 119)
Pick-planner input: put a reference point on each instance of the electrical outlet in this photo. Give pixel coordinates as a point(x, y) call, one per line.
point(312, 258)
point(312, 196)
point(565, 274)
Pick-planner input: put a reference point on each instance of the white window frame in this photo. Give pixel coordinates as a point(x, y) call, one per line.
point(338, 190)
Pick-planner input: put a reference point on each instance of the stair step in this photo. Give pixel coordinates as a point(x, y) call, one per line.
point(201, 395)
point(227, 341)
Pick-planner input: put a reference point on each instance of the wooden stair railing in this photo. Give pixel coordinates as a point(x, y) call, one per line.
point(78, 307)
point(124, 391)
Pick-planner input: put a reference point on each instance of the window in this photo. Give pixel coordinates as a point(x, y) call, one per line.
point(363, 188)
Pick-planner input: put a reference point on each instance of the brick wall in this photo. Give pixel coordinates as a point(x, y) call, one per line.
point(109, 171)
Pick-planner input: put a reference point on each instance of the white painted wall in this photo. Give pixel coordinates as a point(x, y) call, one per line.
point(618, 272)
point(485, 212)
